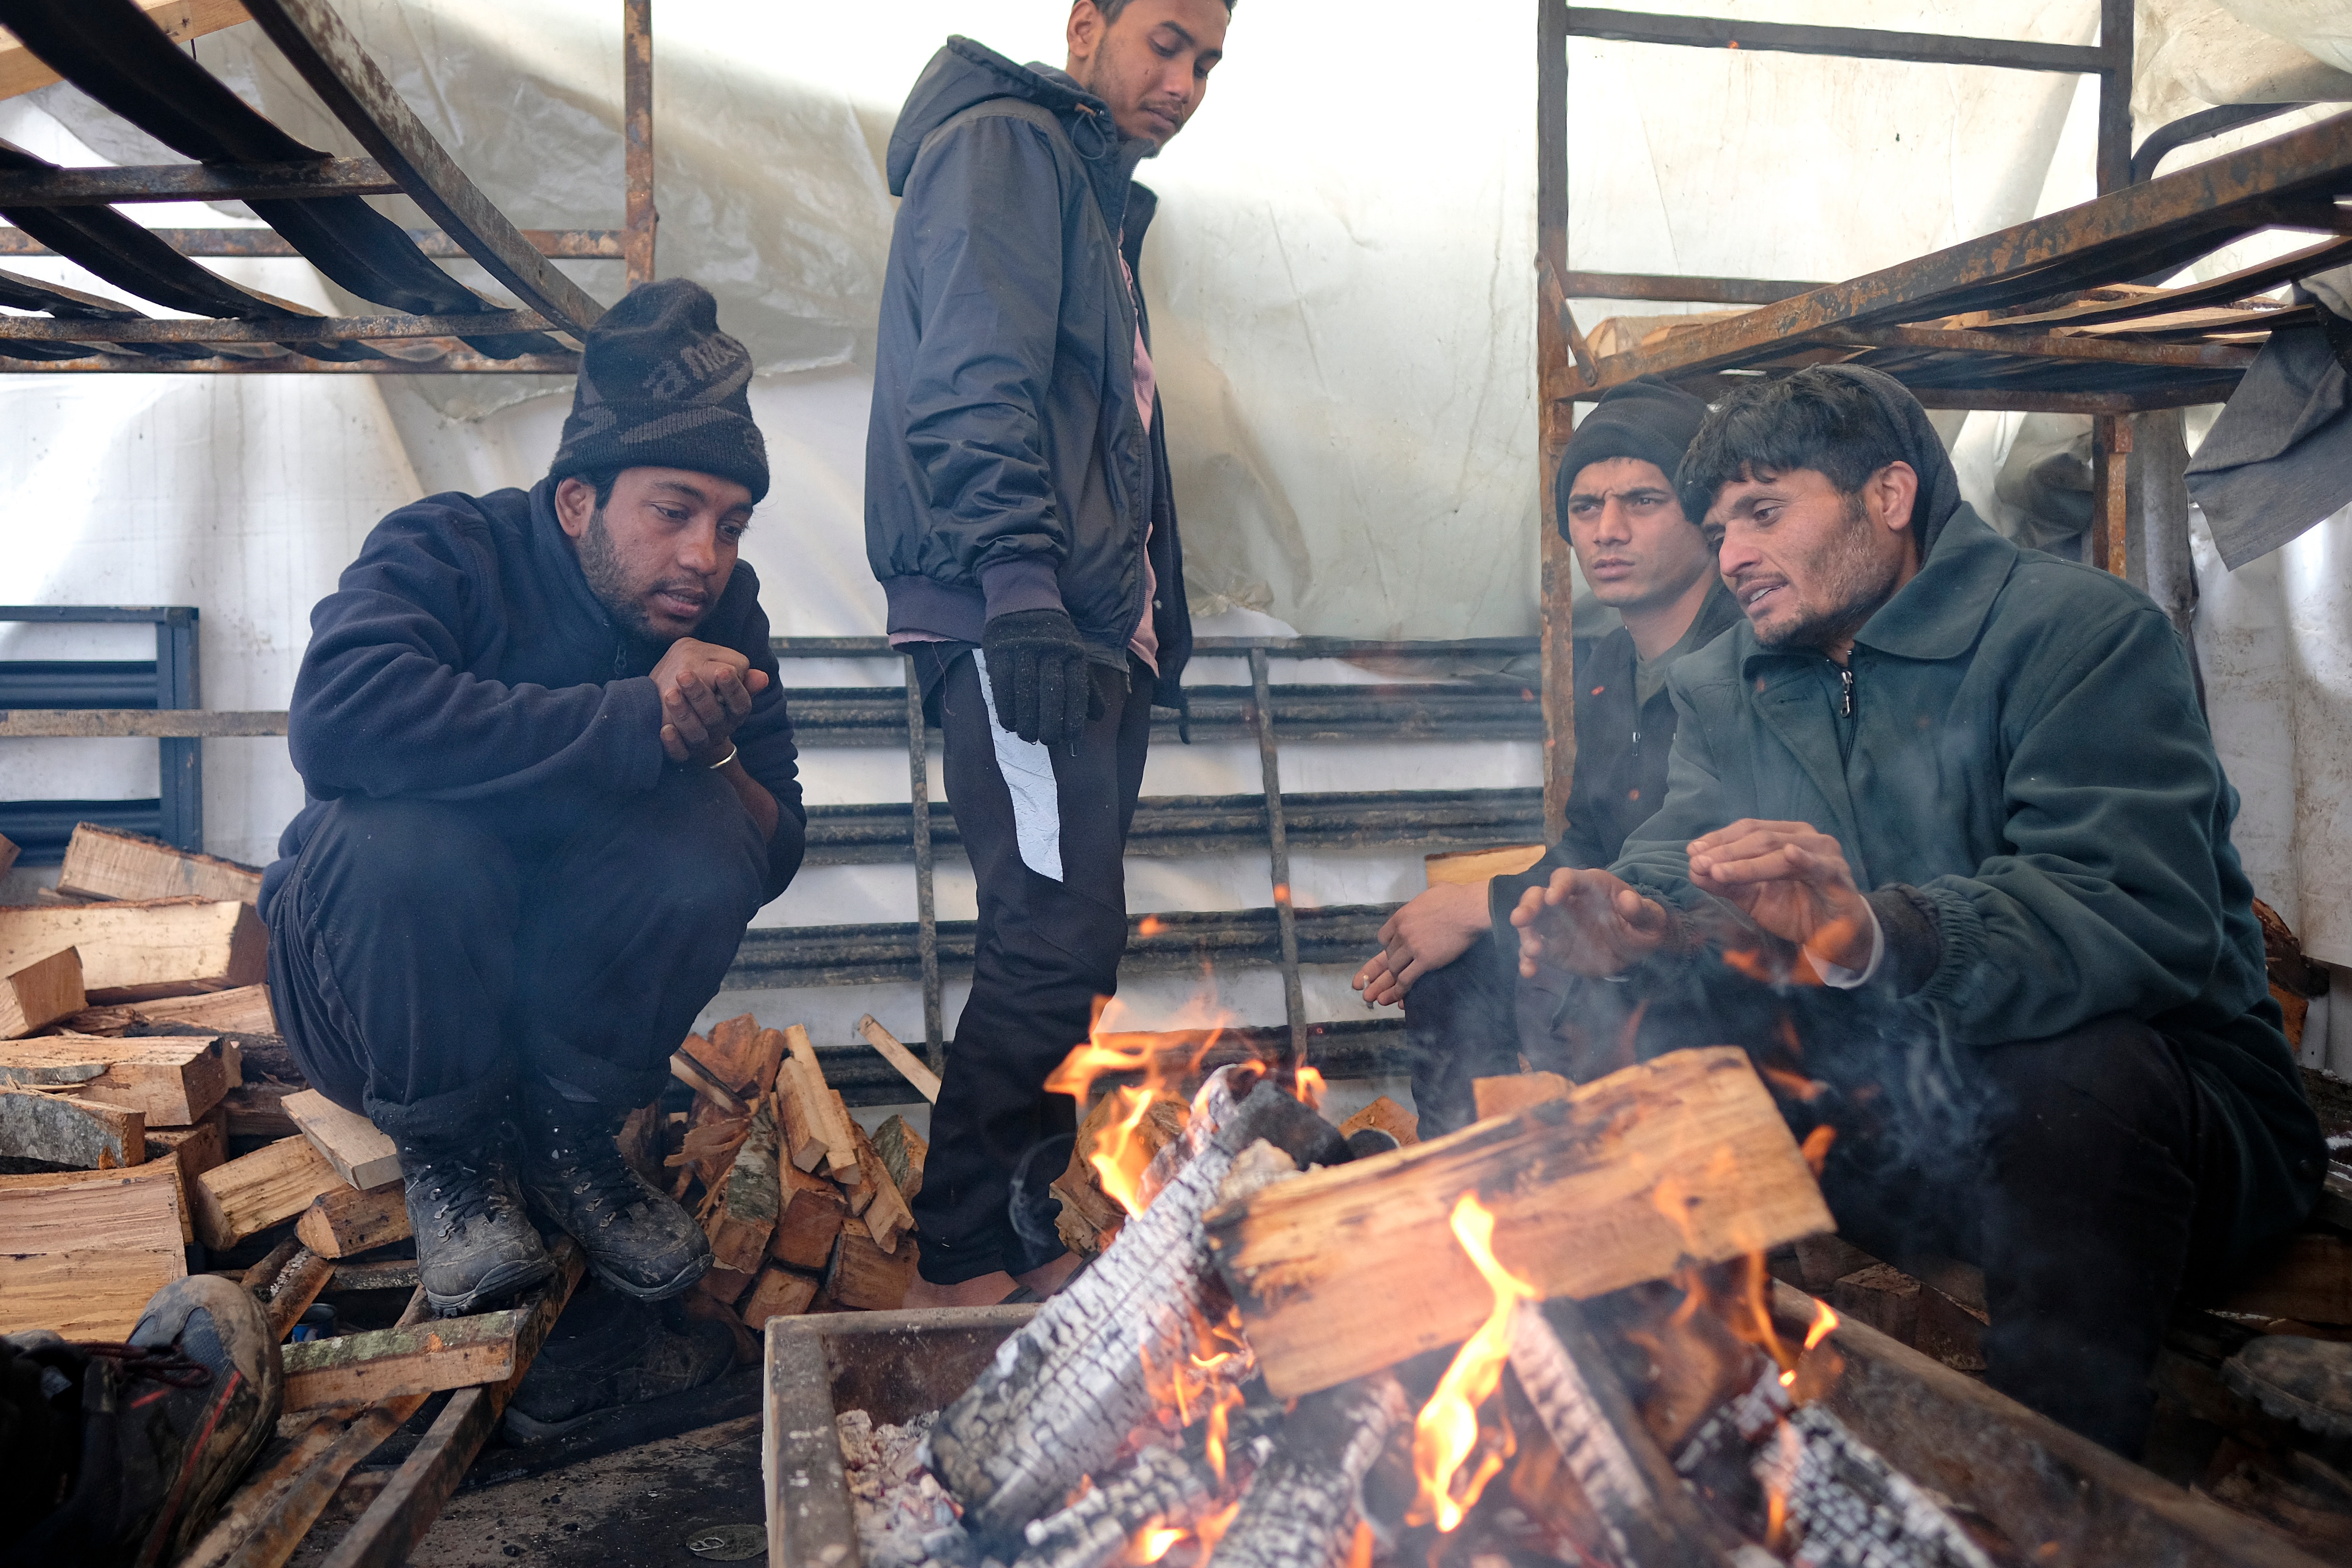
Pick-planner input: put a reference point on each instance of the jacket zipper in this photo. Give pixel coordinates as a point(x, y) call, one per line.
point(1845, 678)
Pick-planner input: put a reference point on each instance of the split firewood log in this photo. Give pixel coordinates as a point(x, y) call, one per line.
point(1300, 1511)
point(1062, 1394)
point(1160, 1486)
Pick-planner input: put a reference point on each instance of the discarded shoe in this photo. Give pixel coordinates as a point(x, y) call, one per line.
point(637, 1238)
point(2305, 1380)
point(610, 1349)
point(475, 1241)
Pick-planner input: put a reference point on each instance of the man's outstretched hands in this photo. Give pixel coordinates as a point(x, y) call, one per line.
point(1431, 931)
point(705, 691)
point(1792, 881)
point(1588, 923)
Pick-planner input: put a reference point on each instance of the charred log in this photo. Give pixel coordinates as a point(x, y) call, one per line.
point(1162, 1486)
point(1846, 1504)
point(1304, 1504)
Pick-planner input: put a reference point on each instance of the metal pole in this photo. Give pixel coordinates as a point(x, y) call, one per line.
point(1269, 762)
point(180, 763)
point(639, 220)
point(1555, 385)
point(926, 916)
point(2115, 147)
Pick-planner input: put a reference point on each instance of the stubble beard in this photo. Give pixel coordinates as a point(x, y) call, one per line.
point(600, 563)
point(1853, 583)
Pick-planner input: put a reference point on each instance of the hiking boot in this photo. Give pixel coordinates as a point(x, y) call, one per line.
point(637, 1239)
point(2305, 1380)
point(168, 1423)
point(609, 1350)
point(475, 1242)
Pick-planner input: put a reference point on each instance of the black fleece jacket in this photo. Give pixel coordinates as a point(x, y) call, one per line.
point(463, 657)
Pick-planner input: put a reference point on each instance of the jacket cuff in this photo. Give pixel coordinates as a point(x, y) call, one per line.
point(1914, 935)
point(633, 706)
point(1961, 932)
point(1025, 583)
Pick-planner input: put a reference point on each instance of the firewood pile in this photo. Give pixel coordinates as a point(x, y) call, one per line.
point(1545, 1337)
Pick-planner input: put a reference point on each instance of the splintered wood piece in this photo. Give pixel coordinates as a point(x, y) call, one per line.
point(811, 1219)
point(2310, 1281)
point(198, 1148)
point(1679, 1160)
point(725, 1285)
point(39, 994)
point(826, 1113)
point(387, 1364)
point(345, 1220)
point(886, 1213)
point(115, 1020)
point(803, 1146)
point(1882, 1296)
point(131, 952)
point(259, 1111)
point(1456, 868)
point(745, 1217)
point(103, 863)
point(903, 1151)
point(1509, 1096)
point(361, 1155)
point(1300, 1508)
point(711, 1145)
point(640, 1141)
point(1631, 1486)
point(1384, 1115)
point(910, 1066)
point(731, 1048)
point(257, 1190)
point(243, 1010)
point(81, 1251)
point(171, 1079)
point(864, 1276)
point(1088, 1214)
point(297, 1286)
point(687, 1069)
point(780, 1293)
point(766, 1055)
point(63, 1131)
point(1064, 1393)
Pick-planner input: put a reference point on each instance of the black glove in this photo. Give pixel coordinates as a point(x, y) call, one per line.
point(1037, 675)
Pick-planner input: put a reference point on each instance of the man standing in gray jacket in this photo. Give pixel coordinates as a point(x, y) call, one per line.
point(1018, 514)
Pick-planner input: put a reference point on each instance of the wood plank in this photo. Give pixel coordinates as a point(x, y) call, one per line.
point(1454, 868)
point(22, 71)
point(84, 1133)
point(1384, 1115)
point(810, 1220)
point(255, 1191)
point(259, 1111)
point(81, 1251)
point(2310, 1281)
point(102, 862)
point(345, 1221)
point(743, 1218)
point(910, 1066)
point(886, 1213)
point(241, 1010)
point(136, 951)
point(780, 1293)
point(903, 1151)
point(199, 1147)
point(40, 993)
point(1514, 1092)
point(173, 1080)
point(826, 1113)
point(387, 1364)
point(801, 1145)
point(361, 1155)
point(1344, 1271)
point(865, 1277)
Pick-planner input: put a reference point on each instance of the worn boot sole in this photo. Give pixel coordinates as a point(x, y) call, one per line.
point(506, 1279)
point(2321, 1420)
point(678, 1285)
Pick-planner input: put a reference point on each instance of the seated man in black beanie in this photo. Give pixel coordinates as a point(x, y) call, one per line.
point(551, 781)
point(1452, 948)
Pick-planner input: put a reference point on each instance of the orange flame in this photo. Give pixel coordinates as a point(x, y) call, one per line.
point(1310, 1089)
point(1816, 1148)
point(1825, 1323)
point(1121, 1155)
point(1213, 1528)
point(1446, 1432)
point(1154, 1541)
point(1359, 1550)
point(1150, 925)
point(1776, 1494)
point(1795, 1085)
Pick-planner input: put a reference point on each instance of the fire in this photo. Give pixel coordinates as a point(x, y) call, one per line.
point(1152, 1545)
point(1310, 1089)
point(1816, 1148)
point(1824, 1323)
point(1795, 1085)
point(1445, 1434)
point(1121, 1155)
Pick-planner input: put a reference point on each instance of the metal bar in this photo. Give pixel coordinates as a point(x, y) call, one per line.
point(2169, 138)
point(2043, 346)
point(637, 131)
point(1552, 303)
point(94, 613)
point(1849, 43)
point(1555, 420)
point(316, 43)
point(194, 182)
point(1276, 647)
point(868, 716)
point(571, 244)
point(2110, 514)
point(1682, 290)
point(1277, 841)
point(456, 362)
point(2114, 160)
point(87, 724)
point(179, 762)
point(2176, 214)
point(927, 913)
point(2179, 394)
point(276, 329)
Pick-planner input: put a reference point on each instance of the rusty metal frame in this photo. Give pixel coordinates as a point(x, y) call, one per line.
point(567, 244)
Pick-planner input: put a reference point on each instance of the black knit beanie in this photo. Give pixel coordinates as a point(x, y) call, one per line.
point(1645, 418)
point(662, 387)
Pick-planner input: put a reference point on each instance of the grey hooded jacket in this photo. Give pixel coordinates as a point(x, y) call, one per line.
point(1006, 465)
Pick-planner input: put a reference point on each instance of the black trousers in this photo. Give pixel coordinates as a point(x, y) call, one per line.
point(1046, 835)
point(2092, 1174)
point(425, 954)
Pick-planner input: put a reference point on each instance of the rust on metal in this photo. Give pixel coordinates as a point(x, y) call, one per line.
point(1846, 43)
point(194, 182)
point(274, 329)
point(640, 219)
point(456, 362)
point(1690, 290)
point(2213, 356)
point(569, 244)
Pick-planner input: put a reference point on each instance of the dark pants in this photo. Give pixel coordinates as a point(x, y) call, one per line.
point(1474, 1019)
point(425, 954)
point(2091, 1175)
point(1046, 948)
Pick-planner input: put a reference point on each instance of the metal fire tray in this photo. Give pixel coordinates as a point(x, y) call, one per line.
point(2060, 1497)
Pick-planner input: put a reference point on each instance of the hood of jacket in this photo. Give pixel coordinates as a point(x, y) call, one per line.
point(1940, 483)
point(964, 73)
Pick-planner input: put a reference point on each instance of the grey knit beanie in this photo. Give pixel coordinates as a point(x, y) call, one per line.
point(662, 387)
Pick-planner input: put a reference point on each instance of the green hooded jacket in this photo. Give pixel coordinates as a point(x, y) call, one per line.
point(2028, 788)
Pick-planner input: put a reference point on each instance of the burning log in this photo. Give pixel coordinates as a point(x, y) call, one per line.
point(1303, 1505)
point(1681, 1159)
point(1846, 1504)
point(1063, 1395)
point(1163, 1487)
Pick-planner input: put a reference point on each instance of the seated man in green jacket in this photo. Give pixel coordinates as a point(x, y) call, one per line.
point(1955, 804)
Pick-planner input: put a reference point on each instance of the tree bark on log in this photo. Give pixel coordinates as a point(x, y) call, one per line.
point(1302, 1505)
point(1063, 1395)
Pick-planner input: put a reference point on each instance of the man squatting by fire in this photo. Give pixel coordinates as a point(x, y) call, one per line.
point(1966, 791)
point(1451, 957)
point(1018, 513)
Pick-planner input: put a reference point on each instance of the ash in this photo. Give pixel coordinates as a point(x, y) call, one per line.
point(899, 1502)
